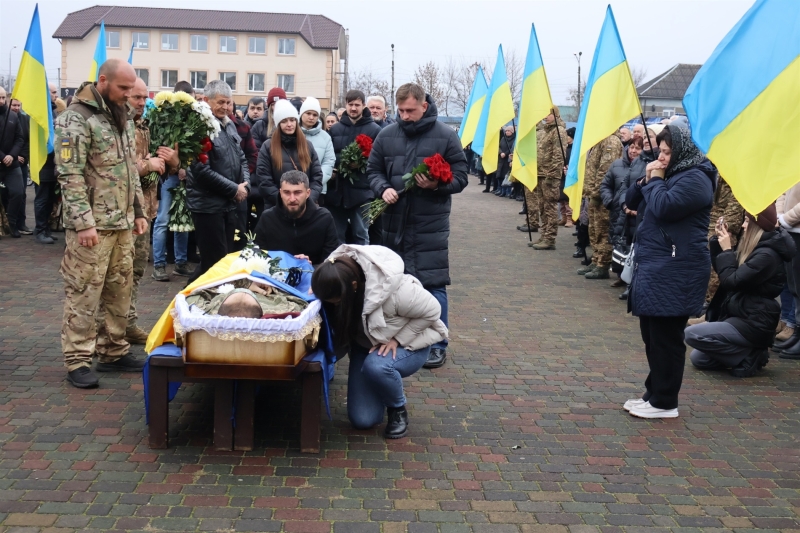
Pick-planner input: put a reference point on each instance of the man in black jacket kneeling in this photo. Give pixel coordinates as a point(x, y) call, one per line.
point(297, 225)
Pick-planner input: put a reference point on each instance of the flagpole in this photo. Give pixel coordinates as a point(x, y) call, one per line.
point(524, 196)
point(644, 125)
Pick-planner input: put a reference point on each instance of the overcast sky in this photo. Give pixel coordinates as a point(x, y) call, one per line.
point(656, 34)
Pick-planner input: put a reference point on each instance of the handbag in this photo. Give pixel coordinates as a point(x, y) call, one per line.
point(627, 269)
point(507, 181)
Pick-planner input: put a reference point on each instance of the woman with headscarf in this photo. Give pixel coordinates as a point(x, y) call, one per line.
point(671, 263)
point(741, 319)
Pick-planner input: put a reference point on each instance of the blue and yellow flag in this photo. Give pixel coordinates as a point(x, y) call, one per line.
point(497, 111)
point(32, 90)
point(99, 52)
point(744, 104)
point(535, 104)
point(609, 101)
point(130, 56)
point(472, 113)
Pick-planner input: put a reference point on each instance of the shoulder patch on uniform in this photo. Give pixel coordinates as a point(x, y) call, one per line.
point(66, 149)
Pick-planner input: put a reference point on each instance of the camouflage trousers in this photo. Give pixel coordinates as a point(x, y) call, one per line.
point(141, 252)
point(533, 200)
point(93, 276)
point(598, 236)
point(713, 281)
point(549, 189)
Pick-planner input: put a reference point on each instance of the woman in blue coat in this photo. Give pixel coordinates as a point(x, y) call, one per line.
point(671, 263)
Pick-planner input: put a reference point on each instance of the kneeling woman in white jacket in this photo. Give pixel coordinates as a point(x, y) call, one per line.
point(387, 322)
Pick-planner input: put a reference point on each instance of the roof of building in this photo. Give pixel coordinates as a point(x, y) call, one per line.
point(671, 84)
point(317, 30)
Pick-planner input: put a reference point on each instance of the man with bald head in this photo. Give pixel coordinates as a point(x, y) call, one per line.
point(95, 149)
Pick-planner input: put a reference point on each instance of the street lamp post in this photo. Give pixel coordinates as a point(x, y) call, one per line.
point(9, 68)
point(578, 57)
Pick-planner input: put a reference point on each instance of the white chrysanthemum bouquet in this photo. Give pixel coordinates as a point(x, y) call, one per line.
point(179, 121)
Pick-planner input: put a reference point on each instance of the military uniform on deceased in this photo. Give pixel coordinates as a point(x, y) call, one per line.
point(597, 164)
point(100, 189)
point(550, 165)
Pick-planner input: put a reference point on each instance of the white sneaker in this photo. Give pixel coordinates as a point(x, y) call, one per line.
point(646, 410)
point(630, 404)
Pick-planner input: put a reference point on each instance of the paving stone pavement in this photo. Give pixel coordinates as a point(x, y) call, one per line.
point(521, 432)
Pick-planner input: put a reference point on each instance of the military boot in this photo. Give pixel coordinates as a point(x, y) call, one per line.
point(598, 273)
point(544, 245)
point(582, 271)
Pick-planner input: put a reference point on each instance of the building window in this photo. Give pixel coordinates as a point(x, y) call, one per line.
point(286, 82)
point(112, 39)
point(255, 83)
point(169, 41)
point(286, 47)
point(198, 79)
point(144, 74)
point(257, 45)
point(169, 78)
point(199, 43)
point(229, 78)
point(141, 40)
point(227, 44)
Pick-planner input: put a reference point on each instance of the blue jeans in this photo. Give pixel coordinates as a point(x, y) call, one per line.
point(788, 307)
point(160, 229)
point(440, 293)
point(375, 383)
point(353, 217)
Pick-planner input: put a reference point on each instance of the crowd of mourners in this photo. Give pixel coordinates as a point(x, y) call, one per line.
point(694, 266)
point(273, 177)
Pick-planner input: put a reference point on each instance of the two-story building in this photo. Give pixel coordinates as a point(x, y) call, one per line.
point(253, 52)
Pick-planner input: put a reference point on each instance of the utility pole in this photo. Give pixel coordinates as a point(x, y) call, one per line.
point(347, 61)
point(578, 57)
point(393, 111)
point(9, 72)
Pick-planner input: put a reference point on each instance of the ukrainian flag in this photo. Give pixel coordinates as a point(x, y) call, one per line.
point(472, 113)
point(497, 111)
point(744, 104)
point(609, 101)
point(535, 104)
point(99, 52)
point(32, 90)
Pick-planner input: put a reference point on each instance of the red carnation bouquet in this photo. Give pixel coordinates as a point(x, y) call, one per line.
point(353, 159)
point(434, 167)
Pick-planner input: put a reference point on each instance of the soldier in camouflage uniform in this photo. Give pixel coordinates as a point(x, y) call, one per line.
point(102, 199)
point(145, 165)
point(597, 164)
point(550, 166)
point(533, 198)
point(725, 205)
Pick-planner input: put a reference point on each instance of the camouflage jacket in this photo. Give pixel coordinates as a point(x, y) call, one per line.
point(549, 152)
point(726, 205)
point(597, 164)
point(97, 166)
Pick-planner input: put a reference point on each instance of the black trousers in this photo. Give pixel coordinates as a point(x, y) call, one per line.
point(666, 355)
point(793, 273)
point(13, 195)
point(43, 205)
point(214, 233)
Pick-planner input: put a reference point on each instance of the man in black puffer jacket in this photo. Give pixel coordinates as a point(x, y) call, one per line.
point(215, 188)
point(345, 198)
point(12, 143)
point(417, 223)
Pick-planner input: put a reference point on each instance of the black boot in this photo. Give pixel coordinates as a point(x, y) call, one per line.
point(755, 360)
point(579, 252)
point(780, 346)
point(436, 359)
point(624, 295)
point(792, 352)
point(397, 426)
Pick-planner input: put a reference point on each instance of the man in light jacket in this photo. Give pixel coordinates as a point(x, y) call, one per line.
point(417, 223)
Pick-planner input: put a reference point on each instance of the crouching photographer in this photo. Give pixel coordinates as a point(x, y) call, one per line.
point(741, 319)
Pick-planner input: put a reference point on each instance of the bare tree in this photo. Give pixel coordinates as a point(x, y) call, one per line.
point(576, 95)
point(463, 86)
point(429, 77)
point(638, 74)
point(368, 83)
point(451, 78)
point(515, 65)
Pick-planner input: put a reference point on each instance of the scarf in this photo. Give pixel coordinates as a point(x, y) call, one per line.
point(685, 154)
